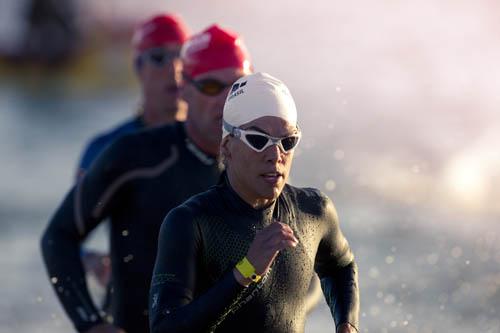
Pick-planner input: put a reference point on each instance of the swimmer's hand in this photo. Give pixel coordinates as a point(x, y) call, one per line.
point(105, 328)
point(265, 247)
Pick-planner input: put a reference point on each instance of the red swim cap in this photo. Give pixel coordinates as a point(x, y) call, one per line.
point(212, 49)
point(158, 31)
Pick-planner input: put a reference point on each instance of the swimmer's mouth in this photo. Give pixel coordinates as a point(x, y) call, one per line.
point(272, 177)
point(272, 174)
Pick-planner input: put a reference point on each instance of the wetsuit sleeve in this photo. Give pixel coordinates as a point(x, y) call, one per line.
point(80, 212)
point(337, 270)
point(174, 303)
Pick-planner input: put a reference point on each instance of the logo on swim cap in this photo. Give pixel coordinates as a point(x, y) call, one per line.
point(237, 90)
point(238, 85)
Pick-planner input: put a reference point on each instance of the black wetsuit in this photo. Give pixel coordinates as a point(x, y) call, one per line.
point(135, 182)
point(193, 287)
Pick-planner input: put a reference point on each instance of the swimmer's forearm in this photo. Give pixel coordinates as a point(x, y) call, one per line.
point(342, 295)
point(61, 254)
point(197, 315)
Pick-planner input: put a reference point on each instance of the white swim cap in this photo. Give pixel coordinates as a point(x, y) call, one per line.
point(255, 96)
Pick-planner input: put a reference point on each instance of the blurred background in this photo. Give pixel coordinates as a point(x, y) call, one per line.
point(399, 107)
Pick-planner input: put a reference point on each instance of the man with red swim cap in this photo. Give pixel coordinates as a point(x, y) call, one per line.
point(213, 60)
point(156, 44)
point(135, 182)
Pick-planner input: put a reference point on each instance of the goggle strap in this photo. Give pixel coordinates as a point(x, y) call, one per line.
point(228, 127)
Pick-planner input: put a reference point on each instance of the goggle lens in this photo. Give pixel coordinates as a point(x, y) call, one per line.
point(289, 143)
point(160, 57)
point(209, 87)
point(256, 140)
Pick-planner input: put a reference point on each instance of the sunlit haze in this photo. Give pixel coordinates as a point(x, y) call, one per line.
point(399, 107)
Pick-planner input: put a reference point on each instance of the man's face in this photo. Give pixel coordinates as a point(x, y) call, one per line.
point(160, 76)
point(259, 176)
point(205, 111)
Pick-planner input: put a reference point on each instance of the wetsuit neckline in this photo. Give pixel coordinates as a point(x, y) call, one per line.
point(238, 204)
point(192, 147)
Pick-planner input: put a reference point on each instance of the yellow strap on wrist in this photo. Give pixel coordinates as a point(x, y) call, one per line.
point(246, 269)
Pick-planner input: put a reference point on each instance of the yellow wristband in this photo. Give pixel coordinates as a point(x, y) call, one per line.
point(246, 269)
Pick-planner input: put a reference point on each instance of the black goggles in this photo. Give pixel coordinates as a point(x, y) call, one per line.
point(159, 56)
point(209, 87)
point(259, 141)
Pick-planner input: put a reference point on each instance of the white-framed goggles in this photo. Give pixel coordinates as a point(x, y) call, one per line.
point(259, 141)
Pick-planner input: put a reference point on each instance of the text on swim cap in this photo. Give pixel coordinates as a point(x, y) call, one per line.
point(236, 90)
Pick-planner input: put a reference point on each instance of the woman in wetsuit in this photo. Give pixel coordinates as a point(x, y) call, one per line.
point(239, 257)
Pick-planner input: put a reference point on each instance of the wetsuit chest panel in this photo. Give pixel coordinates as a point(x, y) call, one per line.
point(224, 244)
point(226, 239)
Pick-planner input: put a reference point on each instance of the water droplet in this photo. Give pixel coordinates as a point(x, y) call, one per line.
point(373, 273)
point(128, 258)
point(330, 185)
